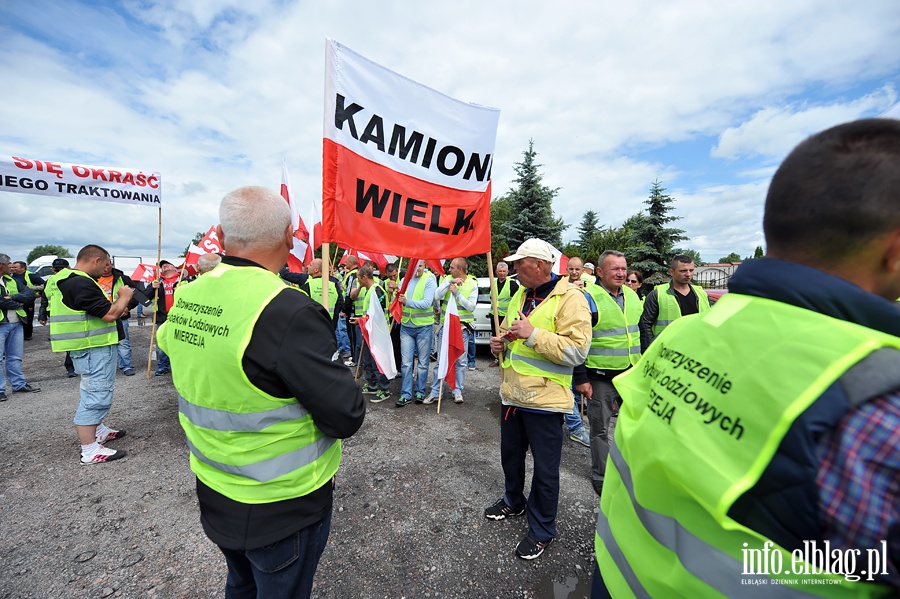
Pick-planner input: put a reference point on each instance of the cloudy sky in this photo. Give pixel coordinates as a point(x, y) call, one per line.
point(707, 97)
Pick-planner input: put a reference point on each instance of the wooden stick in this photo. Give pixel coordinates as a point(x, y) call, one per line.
point(440, 393)
point(496, 317)
point(153, 330)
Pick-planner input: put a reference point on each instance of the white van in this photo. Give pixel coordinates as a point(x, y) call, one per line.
point(42, 267)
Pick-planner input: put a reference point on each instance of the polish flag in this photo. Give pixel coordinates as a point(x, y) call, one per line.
point(437, 267)
point(301, 254)
point(452, 346)
point(377, 335)
point(396, 308)
point(193, 254)
point(561, 262)
point(381, 260)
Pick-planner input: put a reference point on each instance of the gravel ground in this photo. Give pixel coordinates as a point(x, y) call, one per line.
point(408, 518)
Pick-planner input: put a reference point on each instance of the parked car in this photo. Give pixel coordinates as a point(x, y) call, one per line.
point(483, 316)
point(715, 294)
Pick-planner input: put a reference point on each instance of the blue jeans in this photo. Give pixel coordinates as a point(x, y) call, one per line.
point(471, 347)
point(541, 432)
point(573, 421)
point(282, 570)
point(12, 346)
point(162, 360)
point(340, 334)
point(97, 367)
point(125, 348)
point(460, 366)
point(415, 342)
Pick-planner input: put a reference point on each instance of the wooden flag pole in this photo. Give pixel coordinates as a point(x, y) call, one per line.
point(494, 315)
point(440, 393)
point(156, 306)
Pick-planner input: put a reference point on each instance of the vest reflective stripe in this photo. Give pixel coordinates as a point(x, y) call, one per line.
point(72, 330)
point(615, 552)
point(223, 420)
point(718, 424)
point(273, 468)
point(315, 292)
point(369, 295)
point(711, 565)
point(524, 359)
point(12, 288)
point(418, 317)
point(464, 291)
point(503, 297)
point(616, 338)
point(245, 444)
point(360, 301)
point(670, 311)
point(540, 363)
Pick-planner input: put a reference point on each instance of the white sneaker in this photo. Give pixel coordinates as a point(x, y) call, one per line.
point(104, 454)
point(430, 399)
point(457, 397)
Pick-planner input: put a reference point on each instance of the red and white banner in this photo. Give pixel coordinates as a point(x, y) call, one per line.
point(210, 244)
point(377, 335)
point(406, 169)
point(107, 184)
point(452, 346)
point(193, 254)
point(144, 272)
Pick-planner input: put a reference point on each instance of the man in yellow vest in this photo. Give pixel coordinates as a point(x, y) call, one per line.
point(615, 347)
point(19, 271)
point(313, 287)
point(672, 300)
point(84, 323)
point(12, 315)
point(506, 288)
point(546, 333)
point(416, 333)
point(377, 384)
point(464, 289)
point(263, 402)
point(756, 451)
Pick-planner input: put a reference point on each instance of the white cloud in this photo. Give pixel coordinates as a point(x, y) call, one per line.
point(774, 131)
point(214, 94)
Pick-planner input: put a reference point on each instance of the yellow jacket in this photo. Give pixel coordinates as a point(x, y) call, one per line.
point(568, 345)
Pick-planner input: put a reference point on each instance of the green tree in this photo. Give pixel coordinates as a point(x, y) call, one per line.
point(605, 239)
point(651, 242)
point(532, 205)
point(732, 257)
point(757, 253)
point(586, 229)
point(501, 212)
point(48, 250)
point(195, 241)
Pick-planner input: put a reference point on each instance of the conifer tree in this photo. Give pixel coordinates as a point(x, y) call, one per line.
point(531, 203)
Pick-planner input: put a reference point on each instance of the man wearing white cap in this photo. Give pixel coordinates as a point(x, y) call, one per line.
point(587, 273)
point(546, 333)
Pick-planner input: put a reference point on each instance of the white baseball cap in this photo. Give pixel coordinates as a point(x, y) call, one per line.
point(533, 248)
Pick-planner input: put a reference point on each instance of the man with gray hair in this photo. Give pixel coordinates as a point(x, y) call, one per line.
point(264, 433)
point(207, 262)
point(12, 342)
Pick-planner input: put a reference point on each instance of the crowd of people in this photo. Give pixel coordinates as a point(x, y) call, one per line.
point(754, 424)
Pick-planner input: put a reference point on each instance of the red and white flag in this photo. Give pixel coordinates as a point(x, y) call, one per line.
point(301, 254)
point(144, 272)
point(193, 254)
point(377, 335)
point(396, 308)
point(452, 346)
point(561, 262)
point(210, 244)
point(406, 169)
